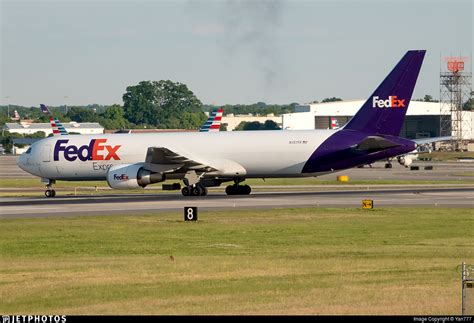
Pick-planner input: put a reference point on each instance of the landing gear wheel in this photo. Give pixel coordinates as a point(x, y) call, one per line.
point(186, 191)
point(197, 190)
point(50, 193)
point(388, 165)
point(246, 190)
point(229, 190)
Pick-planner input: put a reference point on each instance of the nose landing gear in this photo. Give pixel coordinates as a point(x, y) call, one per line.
point(50, 192)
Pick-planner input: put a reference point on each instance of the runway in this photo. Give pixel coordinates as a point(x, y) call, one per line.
point(155, 203)
point(417, 195)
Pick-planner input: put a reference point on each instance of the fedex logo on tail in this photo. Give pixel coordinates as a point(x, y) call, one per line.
point(95, 150)
point(391, 102)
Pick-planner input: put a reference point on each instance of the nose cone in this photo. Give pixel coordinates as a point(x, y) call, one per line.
point(22, 162)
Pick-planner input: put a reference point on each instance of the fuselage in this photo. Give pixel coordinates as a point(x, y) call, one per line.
point(277, 153)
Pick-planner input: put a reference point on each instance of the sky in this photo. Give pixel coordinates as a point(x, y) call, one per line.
point(226, 52)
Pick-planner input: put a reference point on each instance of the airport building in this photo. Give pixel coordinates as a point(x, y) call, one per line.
point(71, 127)
point(422, 119)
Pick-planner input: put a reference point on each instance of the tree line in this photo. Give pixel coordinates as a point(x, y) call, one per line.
point(149, 104)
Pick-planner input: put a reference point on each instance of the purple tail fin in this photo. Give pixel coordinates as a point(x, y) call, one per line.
point(384, 111)
point(44, 109)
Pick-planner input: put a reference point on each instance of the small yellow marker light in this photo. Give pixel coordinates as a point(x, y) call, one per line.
point(367, 204)
point(343, 178)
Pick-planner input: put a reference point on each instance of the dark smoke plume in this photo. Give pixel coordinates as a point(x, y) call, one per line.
point(251, 28)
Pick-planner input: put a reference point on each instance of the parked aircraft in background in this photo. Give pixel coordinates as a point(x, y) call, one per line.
point(334, 123)
point(206, 159)
point(16, 116)
point(56, 125)
point(213, 123)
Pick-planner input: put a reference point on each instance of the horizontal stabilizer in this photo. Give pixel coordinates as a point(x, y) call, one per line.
point(375, 143)
point(430, 140)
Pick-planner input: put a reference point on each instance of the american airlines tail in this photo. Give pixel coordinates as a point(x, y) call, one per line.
point(56, 125)
point(213, 123)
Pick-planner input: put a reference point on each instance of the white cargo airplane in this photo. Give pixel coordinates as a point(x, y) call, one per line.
point(205, 159)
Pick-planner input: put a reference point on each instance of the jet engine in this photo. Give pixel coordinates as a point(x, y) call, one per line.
point(405, 161)
point(129, 176)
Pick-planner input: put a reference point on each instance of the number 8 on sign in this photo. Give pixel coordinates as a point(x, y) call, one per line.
point(190, 213)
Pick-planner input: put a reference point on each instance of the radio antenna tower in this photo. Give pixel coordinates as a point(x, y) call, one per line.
point(455, 101)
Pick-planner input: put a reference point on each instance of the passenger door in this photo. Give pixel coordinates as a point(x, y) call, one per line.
point(46, 153)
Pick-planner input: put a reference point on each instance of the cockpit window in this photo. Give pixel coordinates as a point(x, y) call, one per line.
point(28, 151)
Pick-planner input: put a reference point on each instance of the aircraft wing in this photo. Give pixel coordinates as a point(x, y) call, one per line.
point(162, 159)
point(432, 139)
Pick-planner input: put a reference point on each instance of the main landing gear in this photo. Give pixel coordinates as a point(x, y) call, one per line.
point(195, 190)
point(193, 186)
point(199, 188)
point(50, 192)
point(237, 189)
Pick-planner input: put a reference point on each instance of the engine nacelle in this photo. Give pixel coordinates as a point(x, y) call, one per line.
point(130, 176)
point(405, 161)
